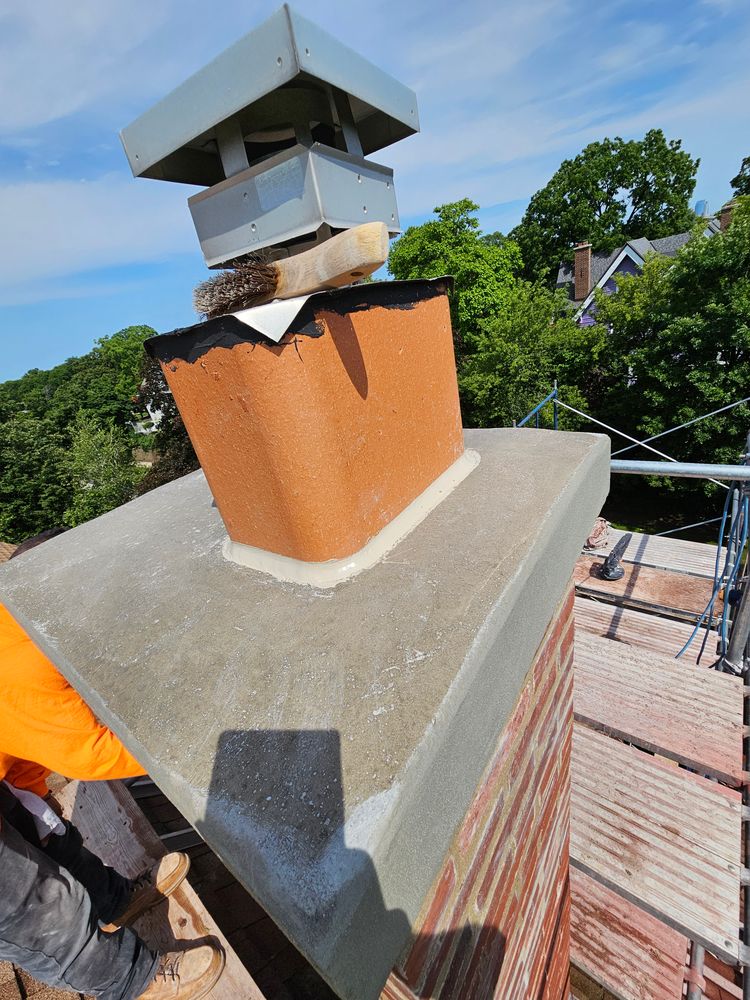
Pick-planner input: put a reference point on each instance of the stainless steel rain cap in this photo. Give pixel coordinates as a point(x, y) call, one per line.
point(277, 128)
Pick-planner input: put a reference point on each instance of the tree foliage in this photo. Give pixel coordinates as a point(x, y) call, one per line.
point(101, 383)
point(48, 421)
point(680, 344)
point(482, 266)
point(613, 191)
point(34, 481)
point(741, 183)
point(530, 344)
point(102, 471)
point(175, 454)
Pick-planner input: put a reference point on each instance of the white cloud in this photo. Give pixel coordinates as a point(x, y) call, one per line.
point(58, 228)
point(506, 91)
point(483, 45)
point(584, 80)
point(640, 46)
point(723, 6)
point(56, 58)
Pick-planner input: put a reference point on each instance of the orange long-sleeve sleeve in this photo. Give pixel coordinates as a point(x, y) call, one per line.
point(45, 725)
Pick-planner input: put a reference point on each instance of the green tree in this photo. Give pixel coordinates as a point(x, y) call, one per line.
point(530, 344)
point(613, 191)
point(34, 485)
point(741, 183)
point(102, 471)
point(101, 383)
point(482, 266)
point(680, 345)
point(176, 456)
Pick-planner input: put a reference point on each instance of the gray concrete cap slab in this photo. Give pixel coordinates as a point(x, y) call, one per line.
point(325, 743)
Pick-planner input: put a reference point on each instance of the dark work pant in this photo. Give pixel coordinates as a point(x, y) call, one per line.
point(52, 898)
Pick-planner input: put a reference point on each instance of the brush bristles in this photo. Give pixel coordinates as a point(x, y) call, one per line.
point(248, 284)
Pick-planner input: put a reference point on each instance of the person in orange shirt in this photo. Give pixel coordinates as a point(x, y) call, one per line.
point(44, 723)
point(56, 897)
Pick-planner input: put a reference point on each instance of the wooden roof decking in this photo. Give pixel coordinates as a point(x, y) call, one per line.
point(721, 980)
point(678, 595)
point(278, 969)
point(662, 842)
point(629, 952)
point(664, 552)
point(115, 829)
point(663, 705)
point(664, 839)
point(6, 551)
point(644, 631)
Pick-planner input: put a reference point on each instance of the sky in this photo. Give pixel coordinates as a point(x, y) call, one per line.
point(505, 90)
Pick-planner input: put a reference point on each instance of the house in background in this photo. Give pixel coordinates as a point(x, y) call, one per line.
point(590, 271)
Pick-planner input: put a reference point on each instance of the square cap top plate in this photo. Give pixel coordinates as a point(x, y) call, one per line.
point(283, 68)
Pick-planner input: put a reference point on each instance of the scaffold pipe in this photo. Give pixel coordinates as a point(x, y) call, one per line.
point(683, 470)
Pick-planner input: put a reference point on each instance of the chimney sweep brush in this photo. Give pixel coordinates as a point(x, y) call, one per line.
point(341, 260)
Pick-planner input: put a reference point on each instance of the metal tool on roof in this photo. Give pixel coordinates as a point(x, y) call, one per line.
point(277, 129)
point(611, 568)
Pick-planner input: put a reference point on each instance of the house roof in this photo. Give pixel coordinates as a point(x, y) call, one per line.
point(601, 263)
point(6, 551)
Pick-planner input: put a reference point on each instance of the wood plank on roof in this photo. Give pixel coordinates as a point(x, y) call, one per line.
point(630, 953)
point(664, 552)
point(636, 628)
point(662, 838)
point(676, 594)
point(721, 980)
point(115, 829)
point(690, 715)
point(6, 551)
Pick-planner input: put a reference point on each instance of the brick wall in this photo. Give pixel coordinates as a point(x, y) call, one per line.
point(497, 921)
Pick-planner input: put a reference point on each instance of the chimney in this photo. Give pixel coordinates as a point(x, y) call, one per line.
point(725, 215)
point(416, 719)
point(582, 271)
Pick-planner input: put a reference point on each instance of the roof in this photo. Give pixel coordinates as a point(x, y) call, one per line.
point(6, 551)
point(601, 263)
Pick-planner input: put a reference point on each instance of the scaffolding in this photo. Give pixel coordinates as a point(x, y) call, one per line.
point(730, 587)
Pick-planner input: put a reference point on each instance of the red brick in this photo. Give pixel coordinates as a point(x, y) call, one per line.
point(396, 990)
point(500, 847)
point(456, 973)
point(515, 840)
point(554, 634)
point(415, 961)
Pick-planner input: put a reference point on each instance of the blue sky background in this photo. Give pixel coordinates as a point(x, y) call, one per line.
point(506, 91)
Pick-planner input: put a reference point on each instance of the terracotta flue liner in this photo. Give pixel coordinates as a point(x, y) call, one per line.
point(313, 445)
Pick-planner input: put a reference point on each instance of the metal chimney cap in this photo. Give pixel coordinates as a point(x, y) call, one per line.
point(286, 62)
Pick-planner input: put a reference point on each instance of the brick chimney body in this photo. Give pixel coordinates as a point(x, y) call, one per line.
point(582, 271)
point(725, 215)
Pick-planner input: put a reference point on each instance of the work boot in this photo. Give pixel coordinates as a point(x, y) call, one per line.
point(154, 885)
point(186, 975)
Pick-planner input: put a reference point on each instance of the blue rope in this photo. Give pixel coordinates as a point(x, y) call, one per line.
point(717, 587)
point(717, 582)
point(730, 582)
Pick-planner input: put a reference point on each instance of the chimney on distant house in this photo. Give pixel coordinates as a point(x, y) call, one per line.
point(582, 271)
point(725, 215)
